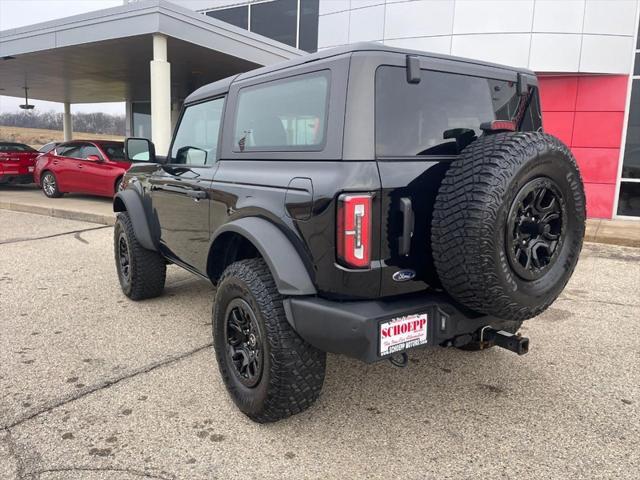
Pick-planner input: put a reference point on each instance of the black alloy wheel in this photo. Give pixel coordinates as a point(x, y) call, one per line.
point(124, 258)
point(244, 342)
point(534, 233)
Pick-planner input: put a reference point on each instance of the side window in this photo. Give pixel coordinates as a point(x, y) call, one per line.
point(283, 115)
point(196, 141)
point(73, 150)
point(89, 149)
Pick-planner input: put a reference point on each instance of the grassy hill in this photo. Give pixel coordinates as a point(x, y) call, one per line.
point(36, 137)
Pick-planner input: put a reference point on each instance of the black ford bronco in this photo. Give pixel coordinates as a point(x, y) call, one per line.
point(364, 200)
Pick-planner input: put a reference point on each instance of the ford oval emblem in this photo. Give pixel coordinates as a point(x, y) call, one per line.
point(404, 275)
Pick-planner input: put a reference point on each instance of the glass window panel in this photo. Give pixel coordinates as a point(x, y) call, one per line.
point(141, 121)
point(629, 200)
point(115, 151)
point(72, 150)
point(238, 16)
point(283, 115)
point(276, 20)
point(196, 141)
point(636, 65)
point(89, 149)
point(441, 114)
point(308, 25)
point(631, 160)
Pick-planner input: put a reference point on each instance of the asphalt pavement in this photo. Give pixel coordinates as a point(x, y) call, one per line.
point(94, 386)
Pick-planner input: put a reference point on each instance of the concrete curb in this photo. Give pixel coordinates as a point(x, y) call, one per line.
point(59, 213)
point(625, 233)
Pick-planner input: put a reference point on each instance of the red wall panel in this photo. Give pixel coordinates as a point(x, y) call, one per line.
point(599, 199)
point(601, 93)
point(559, 124)
point(558, 94)
point(587, 113)
point(597, 165)
point(597, 129)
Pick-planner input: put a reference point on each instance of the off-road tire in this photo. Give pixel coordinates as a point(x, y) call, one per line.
point(147, 269)
point(473, 211)
point(55, 193)
point(292, 370)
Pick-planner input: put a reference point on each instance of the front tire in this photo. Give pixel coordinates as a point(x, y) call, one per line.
point(269, 371)
point(141, 272)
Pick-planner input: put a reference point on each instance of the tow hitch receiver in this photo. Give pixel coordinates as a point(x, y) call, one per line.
point(500, 338)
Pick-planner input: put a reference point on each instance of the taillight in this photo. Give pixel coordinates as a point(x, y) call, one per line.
point(496, 126)
point(354, 230)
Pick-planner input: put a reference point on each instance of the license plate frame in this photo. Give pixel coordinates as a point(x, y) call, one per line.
point(398, 334)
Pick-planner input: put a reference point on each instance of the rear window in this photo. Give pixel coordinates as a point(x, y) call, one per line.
point(15, 147)
point(283, 115)
point(441, 114)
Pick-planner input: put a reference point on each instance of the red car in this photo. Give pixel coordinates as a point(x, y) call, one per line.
point(17, 162)
point(86, 166)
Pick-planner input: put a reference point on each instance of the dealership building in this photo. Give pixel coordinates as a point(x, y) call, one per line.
point(582, 50)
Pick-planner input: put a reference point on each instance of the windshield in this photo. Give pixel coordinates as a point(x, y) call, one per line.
point(15, 147)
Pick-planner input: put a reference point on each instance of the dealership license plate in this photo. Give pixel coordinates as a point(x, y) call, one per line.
point(401, 333)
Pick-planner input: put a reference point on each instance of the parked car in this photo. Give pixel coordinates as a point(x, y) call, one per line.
point(17, 163)
point(47, 147)
point(364, 201)
point(87, 166)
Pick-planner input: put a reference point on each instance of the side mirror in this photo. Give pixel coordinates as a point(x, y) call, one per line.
point(139, 150)
point(94, 158)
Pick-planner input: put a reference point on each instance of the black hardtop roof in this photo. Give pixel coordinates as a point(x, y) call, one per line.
point(222, 86)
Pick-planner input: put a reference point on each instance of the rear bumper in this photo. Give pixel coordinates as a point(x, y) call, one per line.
point(16, 178)
point(353, 328)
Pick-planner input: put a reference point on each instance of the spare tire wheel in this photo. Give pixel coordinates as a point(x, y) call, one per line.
point(508, 224)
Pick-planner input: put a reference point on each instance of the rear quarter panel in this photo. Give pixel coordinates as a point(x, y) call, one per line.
point(259, 188)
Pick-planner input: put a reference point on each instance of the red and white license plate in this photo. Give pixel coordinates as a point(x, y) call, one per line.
point(401, 333)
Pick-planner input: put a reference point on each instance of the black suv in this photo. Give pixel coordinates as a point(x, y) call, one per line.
point(364, 200)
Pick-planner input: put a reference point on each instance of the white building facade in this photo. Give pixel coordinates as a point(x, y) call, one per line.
point(582, 50)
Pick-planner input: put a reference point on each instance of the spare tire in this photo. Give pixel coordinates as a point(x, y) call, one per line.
point(508, 224)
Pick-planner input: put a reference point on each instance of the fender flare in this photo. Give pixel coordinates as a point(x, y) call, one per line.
point(285, 264)
point(129, 200)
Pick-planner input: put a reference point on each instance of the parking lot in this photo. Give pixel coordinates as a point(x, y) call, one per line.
point(95, 386)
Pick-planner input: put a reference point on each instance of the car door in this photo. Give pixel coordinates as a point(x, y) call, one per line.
point(95, 175)
point(181, 186)
point(65, 165)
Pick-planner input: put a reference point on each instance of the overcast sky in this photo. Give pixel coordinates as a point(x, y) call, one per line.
point(17, 13)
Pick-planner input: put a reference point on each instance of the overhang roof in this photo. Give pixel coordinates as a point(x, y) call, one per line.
point(103, 56)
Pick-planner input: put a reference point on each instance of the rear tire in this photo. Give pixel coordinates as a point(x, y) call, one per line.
point(141, 272)
point(508, 224)
point(49, 184)
point(269, 371)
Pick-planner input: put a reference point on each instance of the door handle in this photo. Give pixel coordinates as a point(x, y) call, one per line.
point(404, 246)
point(194, 193)
point(197, 194)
